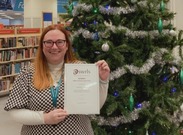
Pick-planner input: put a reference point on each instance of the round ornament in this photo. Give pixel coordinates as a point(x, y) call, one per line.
point(105, 47)
point(172, 32)
point(95, 36)
point(86, 34)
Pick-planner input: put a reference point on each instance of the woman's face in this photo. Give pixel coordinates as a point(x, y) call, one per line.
point(54, 52)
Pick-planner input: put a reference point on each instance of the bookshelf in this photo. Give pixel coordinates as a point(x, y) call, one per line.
point(17, 50)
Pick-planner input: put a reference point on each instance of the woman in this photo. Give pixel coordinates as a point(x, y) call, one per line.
point(33, 102)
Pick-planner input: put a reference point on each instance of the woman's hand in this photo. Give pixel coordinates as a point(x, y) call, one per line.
point(55, 116)
point(104, 70)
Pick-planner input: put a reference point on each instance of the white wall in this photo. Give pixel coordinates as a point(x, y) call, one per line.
point(33, 10)
point(176, 6)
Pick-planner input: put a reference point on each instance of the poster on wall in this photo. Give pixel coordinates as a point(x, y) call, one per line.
point(6, 5)
point(60, 6)
point(47, 19)
point(61, 3)
point(18, 5)
point(15, 5)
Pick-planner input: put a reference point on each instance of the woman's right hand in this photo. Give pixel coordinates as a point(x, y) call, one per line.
point(55, 116)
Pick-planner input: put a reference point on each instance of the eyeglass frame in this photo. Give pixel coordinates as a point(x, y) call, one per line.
point(54, 42)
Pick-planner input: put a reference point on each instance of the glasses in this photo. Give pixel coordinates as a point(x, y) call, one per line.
point(50, 43)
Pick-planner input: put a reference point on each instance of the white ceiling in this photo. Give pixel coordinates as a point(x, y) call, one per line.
point(9, 14)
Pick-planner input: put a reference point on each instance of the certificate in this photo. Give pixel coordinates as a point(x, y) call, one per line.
point(81, 89)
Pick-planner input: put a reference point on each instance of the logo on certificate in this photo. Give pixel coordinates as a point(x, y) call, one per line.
point(76, 71)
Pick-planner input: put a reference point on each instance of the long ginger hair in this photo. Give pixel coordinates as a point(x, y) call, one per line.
point(42, 77)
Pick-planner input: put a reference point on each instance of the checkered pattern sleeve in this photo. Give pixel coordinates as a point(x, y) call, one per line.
point(25, 96)
point(19, 95)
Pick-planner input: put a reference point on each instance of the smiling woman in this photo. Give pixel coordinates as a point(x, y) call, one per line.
point(37, 98)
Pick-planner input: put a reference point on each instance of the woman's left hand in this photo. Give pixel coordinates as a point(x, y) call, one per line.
point(104, 70)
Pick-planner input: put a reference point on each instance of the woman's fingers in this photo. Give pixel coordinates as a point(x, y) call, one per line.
point(55, 116)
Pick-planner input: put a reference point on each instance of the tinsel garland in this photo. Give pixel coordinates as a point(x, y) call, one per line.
point(115, 121)
point(129, 33)
point(110, 10)
point(102, 9)
point(155, 58)
point(134, 115)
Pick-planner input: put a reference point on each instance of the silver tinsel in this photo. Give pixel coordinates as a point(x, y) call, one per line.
point(102, 9)
point(109, 11)
point(115, 121)
point(79, 7)
point(87, 34)
point(177, 118)
point(129, 33)
point(116, 10)
point(156, 58)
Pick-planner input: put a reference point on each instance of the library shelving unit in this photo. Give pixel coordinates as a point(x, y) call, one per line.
point(17, 50)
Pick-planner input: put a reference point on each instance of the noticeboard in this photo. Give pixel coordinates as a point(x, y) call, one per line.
point(47, 19)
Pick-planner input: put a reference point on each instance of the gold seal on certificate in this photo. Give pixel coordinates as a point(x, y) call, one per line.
point(81, 89)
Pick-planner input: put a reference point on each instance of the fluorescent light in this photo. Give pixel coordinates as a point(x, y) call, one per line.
point(9, 17)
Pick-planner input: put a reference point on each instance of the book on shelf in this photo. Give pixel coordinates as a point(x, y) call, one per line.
point(27, 53)
point(13, 55)
point(33, 52)
point(7, 42)
point(1, 87)
point(13, 68)
point(17, 54)
point(1, 70)
point(20, 54)
point(17, 67)
point(27, 41)
point(3, 42)
point(17, 49)
point(11, 41)
point(20, 41)
point(6, 84)
point(5, 69)
point(0, 56)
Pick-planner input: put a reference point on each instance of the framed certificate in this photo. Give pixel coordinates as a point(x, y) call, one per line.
point(81, 89)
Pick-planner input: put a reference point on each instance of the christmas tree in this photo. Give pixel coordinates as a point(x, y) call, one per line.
point(136, 38)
